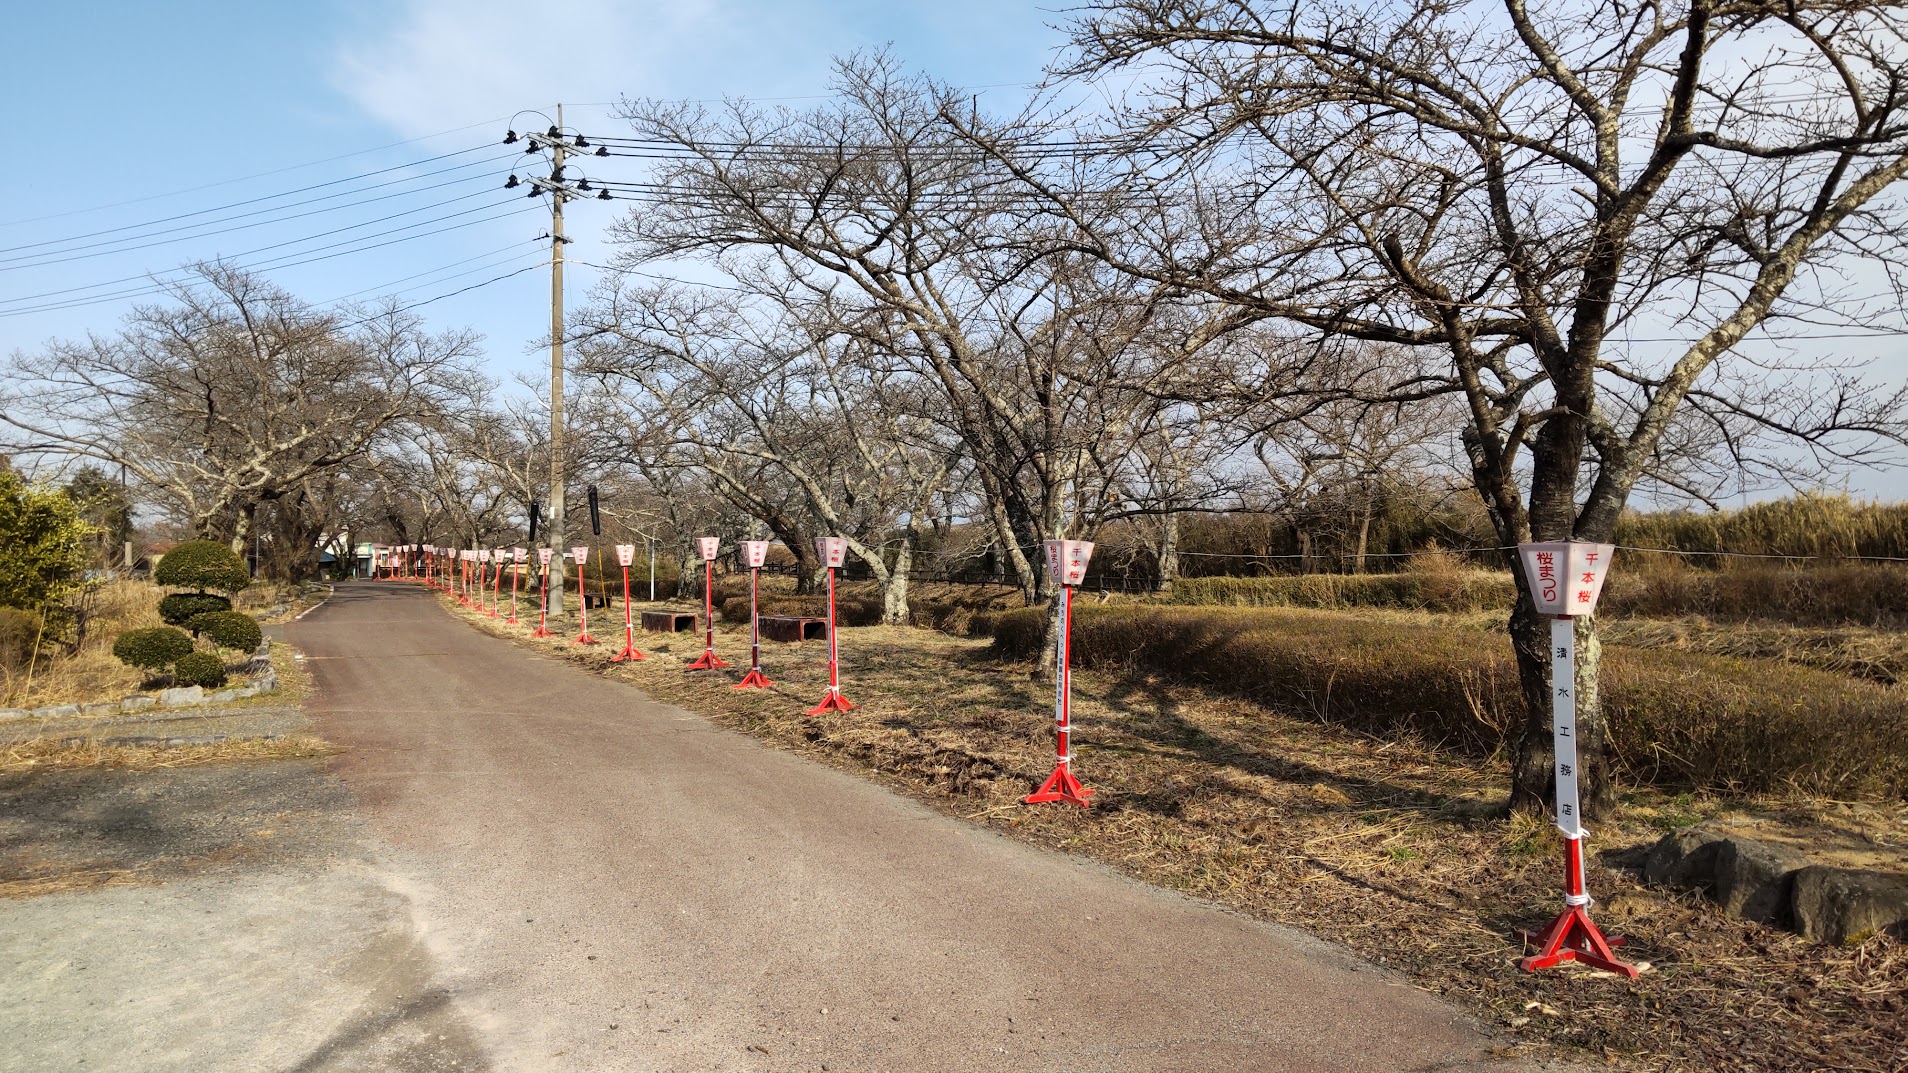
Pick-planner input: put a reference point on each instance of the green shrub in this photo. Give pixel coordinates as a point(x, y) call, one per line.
point(228, 629)
point(154, 648)
point(179, 608)
point(43, 553)
point(202, 565)
point(199, 669)
point(1675, 718)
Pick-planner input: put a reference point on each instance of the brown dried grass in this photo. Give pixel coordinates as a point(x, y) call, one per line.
point(43, 754)
point(92, 673)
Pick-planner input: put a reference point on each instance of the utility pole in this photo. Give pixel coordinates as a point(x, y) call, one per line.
point(560, 189)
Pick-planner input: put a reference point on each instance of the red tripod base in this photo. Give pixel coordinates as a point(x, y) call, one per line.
point(755, 679)
point(541, 632)
point(1573, 937)
point(628, 652)
point(832, 701)
point(584, 639)
point(1060, 786)
point(708, 661)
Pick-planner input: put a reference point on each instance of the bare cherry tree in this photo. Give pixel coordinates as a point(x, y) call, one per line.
point(231, 394)
point(1590, 212)
point(887, 223)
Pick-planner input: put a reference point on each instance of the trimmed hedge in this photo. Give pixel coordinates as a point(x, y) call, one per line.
point(201, 565)
point(154, 648)
point(180, 608)
point(1451, 591)
point(229, 629)
point(849, 610)
point(1846, 594)
point(1675, 718)
point(199, 669)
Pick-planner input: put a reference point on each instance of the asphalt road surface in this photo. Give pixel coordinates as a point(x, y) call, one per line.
point(603, 882)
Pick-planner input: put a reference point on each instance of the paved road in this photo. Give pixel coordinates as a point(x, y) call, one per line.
point(604, 882)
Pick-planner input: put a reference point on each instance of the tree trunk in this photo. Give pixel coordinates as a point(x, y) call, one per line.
point(894, 588)
point(1169, 553)
point(688, 578)
point(1533, 771)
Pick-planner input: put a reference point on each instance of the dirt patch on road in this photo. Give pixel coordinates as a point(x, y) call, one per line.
point(78, 827)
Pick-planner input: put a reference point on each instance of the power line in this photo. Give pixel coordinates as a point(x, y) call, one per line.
point(264, 174)
point(277, 263)
point(50, 254)
point(288, 242)
point(441, 297)
point(442, 268)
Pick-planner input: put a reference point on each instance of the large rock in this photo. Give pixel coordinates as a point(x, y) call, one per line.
point(8, 715)
point(1754, 879)
point(179, 696)
point(57, 711)
point(1840, 905)
point(138, 702)
point(1685, 859)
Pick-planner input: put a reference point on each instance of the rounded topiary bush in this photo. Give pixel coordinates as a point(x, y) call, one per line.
point(228, 629)
point(199, 669)
point(181, 608)
point(201, 565)
point(154, 648)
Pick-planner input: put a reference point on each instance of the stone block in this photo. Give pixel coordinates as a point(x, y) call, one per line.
point(8, 715)
point(1685, 859)
point(222, 696)
point(110, 707)
point(180, 696)
point(1837, 905)
point(1755, 880)
point(57, 711)
point(138, 702)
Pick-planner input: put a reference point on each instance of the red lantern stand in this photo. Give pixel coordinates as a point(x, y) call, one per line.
point(833, 551)
point(625, 555)
point(1067, 562)
point(1566, 578)
point(543, 609)
point(516, 563)
point(755, 552)
point(582, 557)
point(708, 661)
point(483, 581)
point(424, 564)
point(459, 590)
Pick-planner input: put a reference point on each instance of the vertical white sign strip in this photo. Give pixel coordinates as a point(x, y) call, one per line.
point(1563, 707)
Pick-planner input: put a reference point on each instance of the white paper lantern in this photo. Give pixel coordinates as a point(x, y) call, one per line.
point(755, 552)
point(543, 556)
point(581, 556)
point(1067, 560)
point(832, 549)
point(625, 554)
point(1566, 576)
point(708, 546)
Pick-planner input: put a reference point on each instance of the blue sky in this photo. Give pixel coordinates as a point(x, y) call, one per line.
point(129, 113)
point(114, 102)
